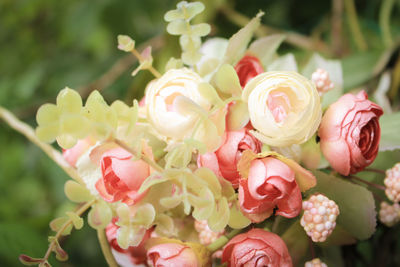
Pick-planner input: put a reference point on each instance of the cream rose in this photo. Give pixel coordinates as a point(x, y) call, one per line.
point(284, 107)
point(160, 97)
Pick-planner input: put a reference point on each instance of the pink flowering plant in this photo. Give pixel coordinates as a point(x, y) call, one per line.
point(234, 156)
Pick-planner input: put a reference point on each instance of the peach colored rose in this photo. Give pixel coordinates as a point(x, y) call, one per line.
point(224, 160)
point(121, 176)
point(171, 255)
point(257, 247)
point(270, 184)
point(350, 133)
point(72, 154)
point(247, 68)
point(136, 255)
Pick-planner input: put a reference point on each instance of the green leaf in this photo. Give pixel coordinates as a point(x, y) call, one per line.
point(57, 223)
point(238, 42)
point(359, 68)
point(284, 63)
point(220, 217)
point(390, 137)
point(76, 192)
point(296, 241)
point(227, 81)
point(356, 204)
point(238, 116)
point(100, 216)
point(265, 48)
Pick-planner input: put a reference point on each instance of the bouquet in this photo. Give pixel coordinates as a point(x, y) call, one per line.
point(234, 156)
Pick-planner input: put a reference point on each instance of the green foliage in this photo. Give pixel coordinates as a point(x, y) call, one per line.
point(390, 125)
point(356, 204)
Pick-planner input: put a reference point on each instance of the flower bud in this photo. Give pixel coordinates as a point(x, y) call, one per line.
point(206, 235)
point(392, 183)
point(319, 218)
point(315, 263)
point(322, 81)
point(389, 214)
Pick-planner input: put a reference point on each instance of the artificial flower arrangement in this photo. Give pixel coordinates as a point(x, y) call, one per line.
point(233, 156)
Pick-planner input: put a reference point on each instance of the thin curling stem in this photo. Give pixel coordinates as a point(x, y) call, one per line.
point(79, 212)
point(105, 248)
point(381, 187)
point(354, 25)
point(384, 21)
point(220, 242)
point(29, 133)
point(141, 59)
point(375, 171)
point(145, 158)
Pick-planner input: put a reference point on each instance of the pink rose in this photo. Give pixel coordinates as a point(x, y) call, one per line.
point(257, 247)
point(223, 162)
point(270, 184)
point(72, 155)
point(136, 255)
point(121, 176)
point(350, 133)
point(171, 255)
point(247, 68)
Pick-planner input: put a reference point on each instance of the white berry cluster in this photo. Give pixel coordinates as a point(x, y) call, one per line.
point(319, 218)
point(315, 263)
point(389, 214)
point(206, 235)
point(392, 183)
point(322, 82)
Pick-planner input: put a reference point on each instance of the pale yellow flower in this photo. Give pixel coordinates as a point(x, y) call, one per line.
point(284, 107)
point(168, 118)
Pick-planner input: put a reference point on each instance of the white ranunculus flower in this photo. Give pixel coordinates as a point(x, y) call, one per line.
point(165, 117)
point(284, 107)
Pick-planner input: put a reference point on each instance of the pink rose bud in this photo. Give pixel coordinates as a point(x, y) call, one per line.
point(72, 155)
point(350, 133)
point(270, 184)
point(257, 247)
point(172, 254)
point(223, 162)
point(121, 176)
point(135, 255)
point(247, 68)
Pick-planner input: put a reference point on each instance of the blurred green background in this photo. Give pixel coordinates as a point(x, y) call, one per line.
point(46, 45)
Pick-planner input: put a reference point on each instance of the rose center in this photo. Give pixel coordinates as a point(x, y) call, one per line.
point(169, 100)
point(279, 103)
point(368, 141)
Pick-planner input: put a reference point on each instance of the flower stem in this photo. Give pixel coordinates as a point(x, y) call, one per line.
point(105, 248)
point(292, 38)
point(311, 244)
point(220, 242)
point(384, 21)
point(381, 187)
point(354, 25)
point(79, 212)
point(375, 170)
point(145, 158)
point(141, 59)
point(276, 224)
point(29, 133)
